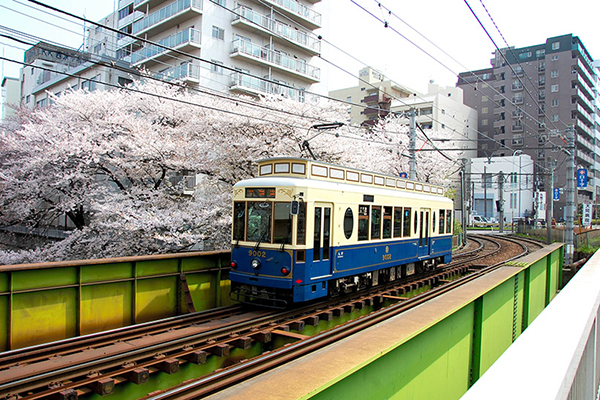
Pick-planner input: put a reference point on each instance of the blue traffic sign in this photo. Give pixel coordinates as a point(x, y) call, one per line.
point(556, 194)
point(403, 175)
point(582, 178)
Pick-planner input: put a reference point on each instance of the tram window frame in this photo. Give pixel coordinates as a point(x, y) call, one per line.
point(282, 223)
point(386, 223)
point(239, 220)
point(301, 225)
point(364, 214)
point(348, 223)
point(416, 223)
point(406, 220)
point(448, 221)
point(398, 213)
point(375, 222)
point(442, 220)
point(262, 238)
point(433, 221)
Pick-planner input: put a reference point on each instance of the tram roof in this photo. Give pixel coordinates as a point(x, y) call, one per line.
point(319, 170)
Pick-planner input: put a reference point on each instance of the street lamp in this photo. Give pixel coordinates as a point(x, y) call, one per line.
point(322, 128)
point(512, 185)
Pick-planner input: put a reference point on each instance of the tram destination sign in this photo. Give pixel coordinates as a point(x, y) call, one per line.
point(260, 193)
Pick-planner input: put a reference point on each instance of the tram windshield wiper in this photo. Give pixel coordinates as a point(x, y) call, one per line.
point(265, 231)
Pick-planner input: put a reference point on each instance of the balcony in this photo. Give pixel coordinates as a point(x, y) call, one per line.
point(583, 86)
point(374, 98)
point(144, 5)
point(284, 63)
point(586, 143)
point(280, 32)
point(583, 127)
point(168, 17)
point(585, 114)
point(517, 114)
point(517, 100)
point(254, 86)
point(517, 128)
point(583, 69)
point(518, 72)
point(186, 73)
point(184, 41)
point(582, 98)
point(298, 12)
point(517, 86)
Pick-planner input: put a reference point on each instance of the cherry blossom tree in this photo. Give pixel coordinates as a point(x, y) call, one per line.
point(115, 163)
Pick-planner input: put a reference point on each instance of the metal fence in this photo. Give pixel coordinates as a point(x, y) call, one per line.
point(589, 238)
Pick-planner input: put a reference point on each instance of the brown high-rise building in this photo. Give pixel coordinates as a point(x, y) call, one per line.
point(528, 99)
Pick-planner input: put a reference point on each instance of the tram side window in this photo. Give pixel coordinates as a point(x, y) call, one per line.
point(442, 220)
point(363, 222)
point(416, 222)
point(259, 221)
point(397, 222)
point(301, 229)
point(448, 221)
point(387, 222)
point(239, 219)
point(433, 223)
point(406, 224)
point(376, 222)
point(282, 223)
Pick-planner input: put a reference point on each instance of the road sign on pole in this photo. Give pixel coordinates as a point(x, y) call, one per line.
point(582, 178)
point(556, 194)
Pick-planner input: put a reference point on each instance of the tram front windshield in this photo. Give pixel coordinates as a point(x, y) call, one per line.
point(262, 222)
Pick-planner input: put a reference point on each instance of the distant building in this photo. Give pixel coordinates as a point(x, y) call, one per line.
point(373, 96)
point(51, 70)
point(11, 96)
point(518, 189)
point(526, 101)
point(442, 109)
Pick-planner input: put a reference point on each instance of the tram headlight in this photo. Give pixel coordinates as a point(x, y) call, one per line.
point(255, 263)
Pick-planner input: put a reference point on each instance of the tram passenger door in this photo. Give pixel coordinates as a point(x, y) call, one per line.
point(323, 217)
point(424, 228)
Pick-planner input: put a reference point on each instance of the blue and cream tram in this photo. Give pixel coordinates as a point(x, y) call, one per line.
point(306, 229)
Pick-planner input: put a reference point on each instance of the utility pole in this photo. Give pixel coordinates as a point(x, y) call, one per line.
point(463, 201)
point(412, 145)
point(569, 248)
point(550, 206)
point(485, 178)
point(501, 200)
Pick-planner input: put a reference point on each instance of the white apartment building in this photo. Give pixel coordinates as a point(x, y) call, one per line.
point(518, 193)
point(244, 46)
point(11, 94)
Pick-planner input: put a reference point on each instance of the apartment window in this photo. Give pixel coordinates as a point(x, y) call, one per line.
point(125, 11)
point(218, 33)
point(484, 99)
point(125, 29)
point(555, 45)
point(554, 58)
point(554, 118)
point(486, 180)
point(484, 110)
point(554, 88)
point(525, 54)
point(219, 2)
point(216, 67)
point(554, 73)
point(540, 53)
point(98, 48)
point(41, 103)
point(426, 111)
point(554, 103)
point(487, 76)
point(484, 122)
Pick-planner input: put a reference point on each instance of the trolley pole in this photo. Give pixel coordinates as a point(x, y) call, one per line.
point(412, 145)
point(568, 256)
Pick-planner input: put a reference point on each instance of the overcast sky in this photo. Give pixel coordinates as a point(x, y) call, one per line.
point(449, 24)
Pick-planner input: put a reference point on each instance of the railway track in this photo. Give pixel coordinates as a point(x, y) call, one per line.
point(261, 339)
